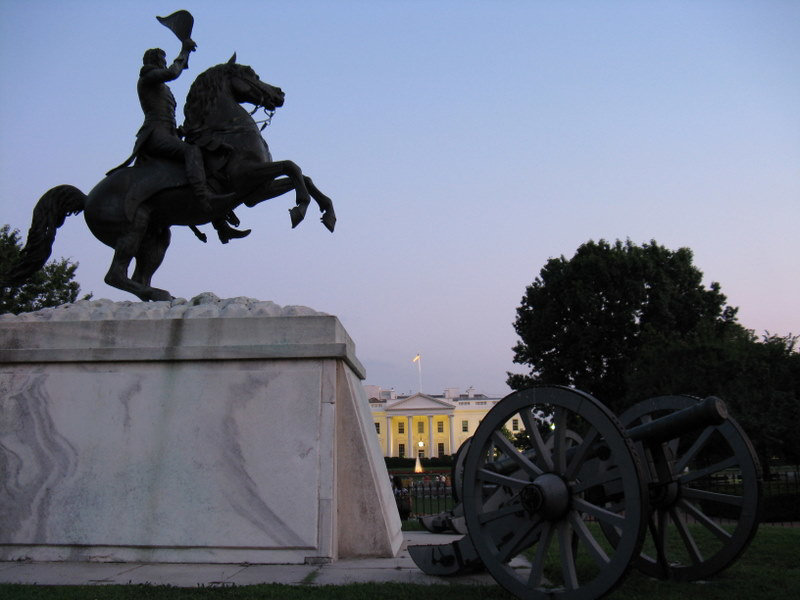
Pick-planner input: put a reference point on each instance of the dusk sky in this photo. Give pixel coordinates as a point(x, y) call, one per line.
point(463, 144)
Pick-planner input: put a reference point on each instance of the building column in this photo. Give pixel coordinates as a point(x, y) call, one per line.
point(452, 436)
point(410, 452)
point(430, 437)
point(388, 437)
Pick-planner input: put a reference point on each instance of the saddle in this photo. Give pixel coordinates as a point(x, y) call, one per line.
point(152, 174)
point(148, 178)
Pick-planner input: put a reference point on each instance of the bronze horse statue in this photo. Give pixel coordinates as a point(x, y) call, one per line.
point(133, 208)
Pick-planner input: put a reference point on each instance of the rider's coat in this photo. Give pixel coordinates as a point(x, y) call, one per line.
point(158, 135)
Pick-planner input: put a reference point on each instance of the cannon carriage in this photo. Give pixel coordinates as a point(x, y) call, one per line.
point(594, 495)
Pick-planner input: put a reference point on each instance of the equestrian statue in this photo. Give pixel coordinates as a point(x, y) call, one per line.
point(190, 175)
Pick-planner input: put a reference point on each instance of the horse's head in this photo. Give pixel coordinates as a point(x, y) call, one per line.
point(247, 87)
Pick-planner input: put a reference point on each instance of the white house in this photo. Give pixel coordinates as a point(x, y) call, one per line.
point(428, 425)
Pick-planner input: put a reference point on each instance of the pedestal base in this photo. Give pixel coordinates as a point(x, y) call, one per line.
point(209, 439)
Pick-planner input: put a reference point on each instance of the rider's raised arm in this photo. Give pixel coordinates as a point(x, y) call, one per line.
point(174, 70)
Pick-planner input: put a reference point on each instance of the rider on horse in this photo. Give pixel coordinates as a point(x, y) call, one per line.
point(159, 137)
point(133, 209)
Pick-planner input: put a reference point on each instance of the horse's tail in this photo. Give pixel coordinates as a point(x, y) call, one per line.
point(48, 215)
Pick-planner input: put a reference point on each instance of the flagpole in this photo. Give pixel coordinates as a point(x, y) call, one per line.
point(419, 371)
point(418, 359)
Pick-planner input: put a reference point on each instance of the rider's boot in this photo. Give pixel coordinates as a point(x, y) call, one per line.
point(227, 233)
point(196, 174)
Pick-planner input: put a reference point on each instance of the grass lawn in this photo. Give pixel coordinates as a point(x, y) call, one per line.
point(770, 568)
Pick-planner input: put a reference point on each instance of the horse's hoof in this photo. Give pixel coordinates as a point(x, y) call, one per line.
point(329, 220)
point(297, 215)
point(157, 294)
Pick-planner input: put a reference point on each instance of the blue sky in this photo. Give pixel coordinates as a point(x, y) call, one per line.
point(463, 143)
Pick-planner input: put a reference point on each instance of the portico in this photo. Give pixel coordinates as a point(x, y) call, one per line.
point(417, 426)
point(427, 426)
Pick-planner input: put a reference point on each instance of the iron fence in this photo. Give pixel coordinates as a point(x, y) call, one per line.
point(422, 494)
point(780, 500)
point(430, 493)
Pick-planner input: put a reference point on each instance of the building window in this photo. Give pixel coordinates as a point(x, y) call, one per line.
point(440, 448)
point(378, 428)
point(421, 453)
point(514, 424)
point(465, 426)
point(440, 426)
point(401, 450)
point(401, 427)
point(420, 427)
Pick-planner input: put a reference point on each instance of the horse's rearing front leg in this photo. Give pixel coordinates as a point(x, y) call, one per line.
point(286, 168)
point(325, 204)
point(273, 187)
point(298, 212)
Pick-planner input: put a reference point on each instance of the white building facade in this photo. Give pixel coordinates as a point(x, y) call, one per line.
point(425, 426)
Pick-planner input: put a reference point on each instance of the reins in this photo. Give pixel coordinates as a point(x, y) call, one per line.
point(267, 120)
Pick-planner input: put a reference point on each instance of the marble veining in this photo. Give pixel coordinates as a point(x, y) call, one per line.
point(35, 458)
point(245, 497)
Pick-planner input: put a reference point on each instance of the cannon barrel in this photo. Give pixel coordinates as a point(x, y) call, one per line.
point(711, 411)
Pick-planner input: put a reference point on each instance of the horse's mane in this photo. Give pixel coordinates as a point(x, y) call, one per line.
point(202, 95)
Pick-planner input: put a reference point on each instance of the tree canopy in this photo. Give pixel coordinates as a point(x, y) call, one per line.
point(626, 322)
point(53, 285)
point(583, 321)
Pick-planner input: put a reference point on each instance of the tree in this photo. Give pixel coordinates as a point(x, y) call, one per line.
point(581, 322)
point(626, 323)
point(51, 286)
point(758, 379)
point(764, 394)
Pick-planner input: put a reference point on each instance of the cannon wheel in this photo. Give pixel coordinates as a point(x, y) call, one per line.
point(682, 469)
point(457, 472)
point(543, 497)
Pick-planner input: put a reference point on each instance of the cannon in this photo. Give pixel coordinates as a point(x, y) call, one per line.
point(595, 495)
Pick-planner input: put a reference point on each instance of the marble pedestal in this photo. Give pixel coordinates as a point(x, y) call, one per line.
point(202, 431)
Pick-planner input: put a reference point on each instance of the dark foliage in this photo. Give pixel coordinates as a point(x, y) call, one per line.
point(625, 322)
point(51, 286)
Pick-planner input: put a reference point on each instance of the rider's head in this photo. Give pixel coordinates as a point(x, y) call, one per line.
point(155, 57)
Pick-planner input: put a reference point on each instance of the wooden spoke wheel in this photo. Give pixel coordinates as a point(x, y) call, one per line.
point(457, 472)
point(705, 494)
point(536, 506)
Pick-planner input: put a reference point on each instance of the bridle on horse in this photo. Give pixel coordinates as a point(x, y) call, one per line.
point(269, 113)
point(266, 121)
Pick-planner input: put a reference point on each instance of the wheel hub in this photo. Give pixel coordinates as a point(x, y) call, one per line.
point(547, 496)
point(664, 495)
